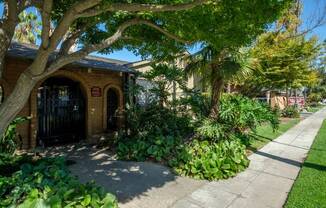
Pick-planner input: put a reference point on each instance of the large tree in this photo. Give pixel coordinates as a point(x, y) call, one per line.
point(285, 57)
point(216, 67)
point(155, 28)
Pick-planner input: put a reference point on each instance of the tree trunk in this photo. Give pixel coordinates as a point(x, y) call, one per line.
point(287, 97)
point(5, 40)
point(16, 100)
point(217, 87)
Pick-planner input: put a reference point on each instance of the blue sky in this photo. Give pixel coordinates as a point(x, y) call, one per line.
point(311, 9)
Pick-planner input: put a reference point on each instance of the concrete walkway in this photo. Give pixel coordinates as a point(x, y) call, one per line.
point(270, 176)
point(265, 183)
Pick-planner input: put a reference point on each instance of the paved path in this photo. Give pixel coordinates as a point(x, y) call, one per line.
point(270, 176)
point(265, 183)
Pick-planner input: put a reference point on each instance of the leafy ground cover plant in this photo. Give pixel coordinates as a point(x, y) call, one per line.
point(48, 183)
point(219, 150)
point(211, 160)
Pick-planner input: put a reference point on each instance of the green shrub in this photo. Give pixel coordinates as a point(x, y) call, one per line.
point(238, 117)
point(161, 134)
point(48, 183)
point(211, 160)
point(196, 104)
point(154, 132)
point(219, 151)
point(9, 141)
point(291, 112)
point(157, 148)
point(241, 113)
point(314, 97)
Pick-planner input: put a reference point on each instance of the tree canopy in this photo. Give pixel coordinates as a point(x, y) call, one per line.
point(285, 57)
point(146, 27)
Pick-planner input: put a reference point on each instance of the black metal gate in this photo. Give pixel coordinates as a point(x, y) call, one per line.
point(112, 108)
point(61, 112)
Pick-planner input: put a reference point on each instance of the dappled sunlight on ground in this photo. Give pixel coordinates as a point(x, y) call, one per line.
point(134, 183)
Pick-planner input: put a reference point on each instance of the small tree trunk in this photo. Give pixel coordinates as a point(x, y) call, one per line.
point(287, 97)
point(217, 87)
point(5, 40)
point(16, 100)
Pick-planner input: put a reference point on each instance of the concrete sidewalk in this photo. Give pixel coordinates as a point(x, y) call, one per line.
point(270, 176)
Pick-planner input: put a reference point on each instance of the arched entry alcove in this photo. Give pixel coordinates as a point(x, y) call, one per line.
point(112, 107)
point(112, 110)
point(61, 111)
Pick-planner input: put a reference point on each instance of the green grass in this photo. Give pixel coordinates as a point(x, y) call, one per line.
point(265, 133)
point(309, 190)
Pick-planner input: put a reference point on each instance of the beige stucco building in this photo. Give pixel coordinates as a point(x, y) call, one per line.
point(81, 101)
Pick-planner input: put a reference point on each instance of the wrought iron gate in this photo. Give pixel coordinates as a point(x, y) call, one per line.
point(61, 112)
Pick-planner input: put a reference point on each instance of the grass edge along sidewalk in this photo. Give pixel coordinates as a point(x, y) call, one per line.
point(265, 134)
point(309, 189)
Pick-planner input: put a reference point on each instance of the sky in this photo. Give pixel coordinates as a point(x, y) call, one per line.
point(312, 9)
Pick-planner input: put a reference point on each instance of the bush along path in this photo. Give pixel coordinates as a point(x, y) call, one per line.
point(217, 147)
point(270, 176)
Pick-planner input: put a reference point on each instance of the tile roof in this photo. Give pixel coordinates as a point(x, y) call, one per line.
point(28, 51)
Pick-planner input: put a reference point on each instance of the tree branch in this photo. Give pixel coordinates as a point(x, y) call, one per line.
point(71, 38)
point(46, 22)
point(7, 29)
point(68, 18)
point(133, 7)
point(166, 33)
point(62, 61)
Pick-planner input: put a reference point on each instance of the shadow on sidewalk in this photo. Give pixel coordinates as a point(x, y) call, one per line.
point(292, 162)
point(127, 180)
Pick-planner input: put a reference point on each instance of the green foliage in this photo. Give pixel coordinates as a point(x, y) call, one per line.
point(285, 58)
point(196, 104)
point(217, 151)
point(211, 160)
point(165, 78)
point(314, 97)
point(154, 147)
point(10, 164)
point(220, 18)
point(9, 141)
point(241, 114)
point(291, 112)
point(153, 134)
point(48, 183)
point(28, 29)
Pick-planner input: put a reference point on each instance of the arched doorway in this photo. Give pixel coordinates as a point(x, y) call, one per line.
point(112, 110)
point(61, 112)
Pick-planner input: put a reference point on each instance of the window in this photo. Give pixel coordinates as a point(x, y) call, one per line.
point(1, 94)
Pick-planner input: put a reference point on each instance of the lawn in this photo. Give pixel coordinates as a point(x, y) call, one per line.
point(309, 189)
point(265, 133)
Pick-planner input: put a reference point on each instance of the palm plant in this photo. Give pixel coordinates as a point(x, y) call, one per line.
point(217, 67)
point(28, 28)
